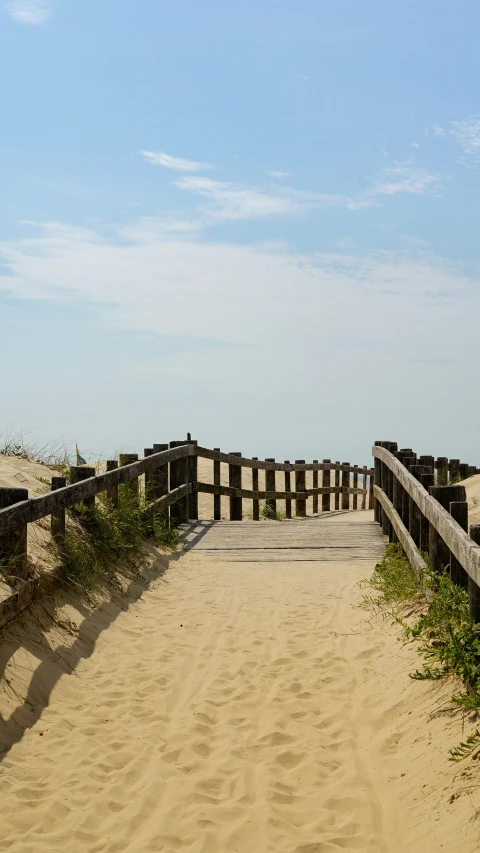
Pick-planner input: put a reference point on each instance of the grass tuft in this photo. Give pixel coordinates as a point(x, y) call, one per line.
point(394, 584)
point(97, 538)
point(449, 640)
point(267, 512)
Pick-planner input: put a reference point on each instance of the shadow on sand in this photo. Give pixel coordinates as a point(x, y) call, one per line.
point(36, 641)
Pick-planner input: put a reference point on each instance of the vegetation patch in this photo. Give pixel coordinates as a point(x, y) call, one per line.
point(267, 512)
point(97, 538)
point(439, 621)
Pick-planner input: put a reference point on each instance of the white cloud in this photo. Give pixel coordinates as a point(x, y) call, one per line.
point(405, 177)
point(466, 134)
point(278, 174)
point(33, 12)
point(234, 201)
point(264, 306)
point(237, 201)
point(160, 282)
point(160, 158)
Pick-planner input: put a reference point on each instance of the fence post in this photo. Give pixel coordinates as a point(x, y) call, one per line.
point(13, 545)
point(337, 485)
point(160, 475)
point(397, 500)
point(426, 480)
point(256, 502)
point(464, 470)
point(315, 486)
point(288, 488)
point(345, 485)
point(326, 485)
point(364, 496)
point(442, 470)
point(57, 518)
point(459, 511)
point(438, 551)
point(217, 499)
point(377, 467)
point(454, 468)
point(408, 461)
point(178, 477)
point(79, 473)
point(270, 503)
point(371, 499)
point(473, 589)
point(149, 478)
point(300, 486)
point(429, 461)
point(355, 486)
point(414, 512)
point(192, 477)
point(132, 488)
point(112, 491)
point(235, 481)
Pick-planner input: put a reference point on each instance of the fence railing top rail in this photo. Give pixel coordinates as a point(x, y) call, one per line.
point(455, 537)
point(36, 508)
point(260, 464)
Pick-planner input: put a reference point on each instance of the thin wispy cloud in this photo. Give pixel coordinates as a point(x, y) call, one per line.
point(278, 174)
point(179, 164)
point(237, 201)
point(208, 288)
point(234, 201)
point(405, 177)
point(466, 134)
point(30, 12)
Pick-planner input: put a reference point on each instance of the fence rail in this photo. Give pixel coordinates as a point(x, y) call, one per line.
point(426, 517)
point(171, 481)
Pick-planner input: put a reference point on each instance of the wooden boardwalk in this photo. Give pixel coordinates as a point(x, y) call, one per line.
point(328, 537)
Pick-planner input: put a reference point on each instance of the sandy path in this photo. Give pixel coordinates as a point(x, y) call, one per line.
point(238, 708)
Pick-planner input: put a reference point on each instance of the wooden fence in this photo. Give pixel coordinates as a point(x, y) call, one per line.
point(171, 485)
point(420, 504)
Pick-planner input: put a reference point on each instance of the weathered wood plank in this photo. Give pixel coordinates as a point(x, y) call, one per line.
point(235, 483)
point(178, 475)
point(13, 543)
point(300, 487)
point(271, 504)
point(217, 507)
point(326, 485)
point(315, 486)
point(458, 541)
point(229, 491)
point(288, 488)
point(229, 458)
point(57, 519)
point(415, 559)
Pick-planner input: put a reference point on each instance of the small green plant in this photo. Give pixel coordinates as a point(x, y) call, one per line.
point(465, 748)
point(99, 536)
point(449, 640)
point(394, 582)
point(267, 512)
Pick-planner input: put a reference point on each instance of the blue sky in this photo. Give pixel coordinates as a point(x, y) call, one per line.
point(254, 221)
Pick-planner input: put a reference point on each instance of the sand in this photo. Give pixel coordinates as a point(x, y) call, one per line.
point(472, 487)
point(230, 707)
point(227, 707)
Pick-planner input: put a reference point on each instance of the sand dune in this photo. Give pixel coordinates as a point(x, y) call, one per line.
point(226, 707)
point(230, 708)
